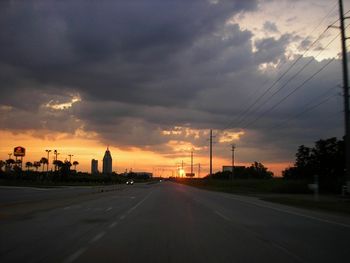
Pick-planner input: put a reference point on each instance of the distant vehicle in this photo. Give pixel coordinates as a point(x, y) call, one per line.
point(130, 182)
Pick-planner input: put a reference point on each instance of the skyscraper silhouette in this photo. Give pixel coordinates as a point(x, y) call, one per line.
point(107, 162)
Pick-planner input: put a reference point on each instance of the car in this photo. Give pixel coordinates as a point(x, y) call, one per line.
point(130, 182)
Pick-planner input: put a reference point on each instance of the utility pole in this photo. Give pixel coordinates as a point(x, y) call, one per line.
point(199, 170)
point(191, 162)
point(211, 153)
point(346, 94)
point(233, 160)
point(182, 168)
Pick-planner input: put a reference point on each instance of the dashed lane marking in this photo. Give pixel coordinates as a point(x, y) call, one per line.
point(222, 215)
point(113, 224)
point(97, 237)
point(75, 255)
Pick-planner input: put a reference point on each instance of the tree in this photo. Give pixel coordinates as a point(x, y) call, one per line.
point(44, 161)
point(10, 163)
point(259, 171)
point(2, 164)
point(325, 160)
point(29, 165)
point(75, 163)
point(36, 165)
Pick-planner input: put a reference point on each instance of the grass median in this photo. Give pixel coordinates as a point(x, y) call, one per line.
point(277, 190)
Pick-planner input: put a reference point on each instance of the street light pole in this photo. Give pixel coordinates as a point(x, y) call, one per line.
point(48, 160)
point(56, 153)
point(70, 157)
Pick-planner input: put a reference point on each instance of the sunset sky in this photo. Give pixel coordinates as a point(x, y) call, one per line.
point(150, 78)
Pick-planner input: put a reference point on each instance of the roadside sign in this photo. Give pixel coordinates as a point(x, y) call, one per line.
point(19, 151)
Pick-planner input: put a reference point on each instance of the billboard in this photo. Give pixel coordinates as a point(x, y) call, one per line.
point(19, 151)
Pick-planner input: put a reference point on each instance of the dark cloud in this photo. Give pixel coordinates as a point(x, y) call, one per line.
point(270, 27)
point(141, 67)
point(271, 50)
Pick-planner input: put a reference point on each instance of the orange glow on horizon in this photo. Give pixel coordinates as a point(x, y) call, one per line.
point(85, 148)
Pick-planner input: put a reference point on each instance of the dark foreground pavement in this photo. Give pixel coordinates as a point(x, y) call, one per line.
point(165, 222)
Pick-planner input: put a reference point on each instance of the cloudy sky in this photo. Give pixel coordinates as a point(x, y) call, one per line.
point(150, 78)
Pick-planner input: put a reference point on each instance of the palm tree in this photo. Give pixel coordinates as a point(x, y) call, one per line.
point(28, 165)
point(37, 165)
point(75, 163)
point(9, 163)
point(2, 164)
point(44, 161)
point(59, 164)
point(18, 164)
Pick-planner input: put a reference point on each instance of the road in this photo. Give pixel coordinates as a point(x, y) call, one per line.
point(163, 222)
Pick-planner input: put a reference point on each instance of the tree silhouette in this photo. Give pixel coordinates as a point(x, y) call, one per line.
point(75, 163)
point(259, 171)
point(326, 160)
point(44, 161)
point(29, 165)
point(36, 165)
point(10, 163)
point(2, 164)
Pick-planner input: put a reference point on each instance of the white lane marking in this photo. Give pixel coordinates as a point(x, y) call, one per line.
point(113, 224)
point(97, 237)
point(122, 217)
point(285, 250)
point(138, 204)
point(222, 215)
point(75, 255)
point(30, 188)
point(66, 208)
point(109, 209)
point(292, 213)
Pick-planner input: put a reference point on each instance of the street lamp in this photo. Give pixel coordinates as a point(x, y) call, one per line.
point(48, 160)
point(56, 153)
point(70, 157)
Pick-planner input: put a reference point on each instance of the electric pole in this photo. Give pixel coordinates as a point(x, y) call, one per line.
point(191, 162)
point(211, 153)
point(233, 160)
point(199, 170)
point(346, 94)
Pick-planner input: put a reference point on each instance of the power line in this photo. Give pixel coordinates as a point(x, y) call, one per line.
point(248, 109)
point(288, 95)
point(274, 83)
point(296, 116)
point(295, 75)
point(242, 120)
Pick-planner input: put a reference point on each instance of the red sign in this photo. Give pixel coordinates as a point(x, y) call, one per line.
point(19, 151)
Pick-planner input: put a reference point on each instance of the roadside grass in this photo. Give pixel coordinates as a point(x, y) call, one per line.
point(249, 186)
point(277, 190)
point(337, 205)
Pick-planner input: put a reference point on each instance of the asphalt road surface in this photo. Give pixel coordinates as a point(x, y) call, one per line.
point(162, 222)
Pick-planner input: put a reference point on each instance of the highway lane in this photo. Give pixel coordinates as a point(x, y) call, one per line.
point(169, 222)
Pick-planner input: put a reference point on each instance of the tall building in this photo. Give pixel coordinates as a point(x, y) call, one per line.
point(107, 162)
point(94, 166)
